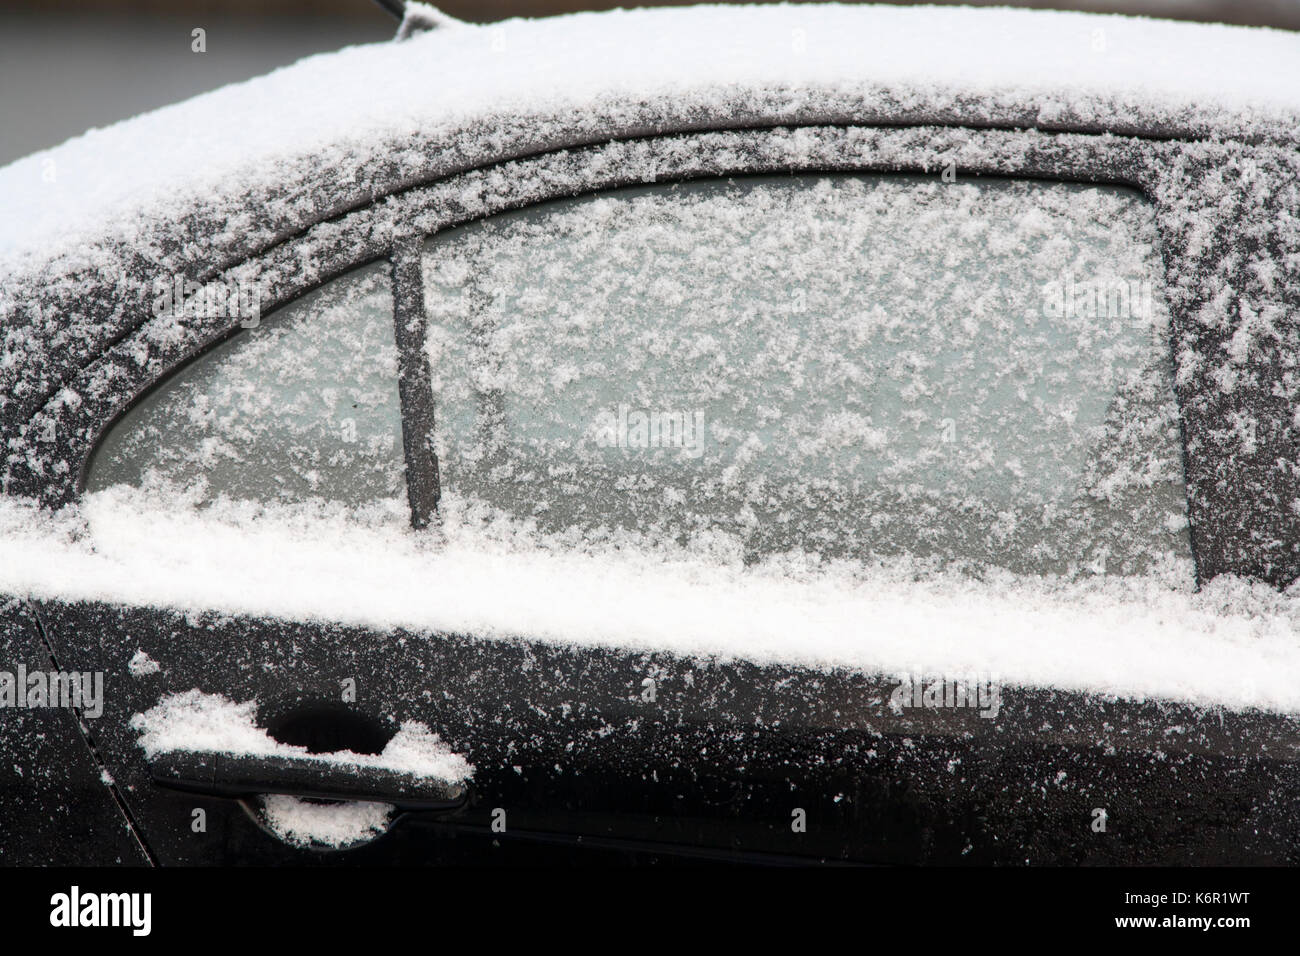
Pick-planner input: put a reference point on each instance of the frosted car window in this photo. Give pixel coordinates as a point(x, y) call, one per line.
point(304, 406)
point(976, 372)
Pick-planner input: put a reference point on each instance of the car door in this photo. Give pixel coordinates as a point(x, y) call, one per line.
point(521, 469)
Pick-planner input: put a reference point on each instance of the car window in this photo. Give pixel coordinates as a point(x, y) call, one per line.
point(851, 366)
point(304, 406)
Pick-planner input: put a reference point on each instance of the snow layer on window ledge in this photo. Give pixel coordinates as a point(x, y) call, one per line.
point(1233, 644)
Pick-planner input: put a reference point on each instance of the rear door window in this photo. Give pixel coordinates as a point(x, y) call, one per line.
point(974, 374)
point(302, 407)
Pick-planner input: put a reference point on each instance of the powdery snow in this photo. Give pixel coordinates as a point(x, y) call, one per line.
point(209, 723)
point(1233, 644)
point(848, 365)
point(324, 825)
point(536, 84)
point(142, 665)
point(583, 73)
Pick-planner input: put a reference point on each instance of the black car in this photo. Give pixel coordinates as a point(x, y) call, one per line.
point(676, 435)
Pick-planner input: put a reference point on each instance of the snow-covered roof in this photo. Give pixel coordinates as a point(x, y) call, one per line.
point(595, 75)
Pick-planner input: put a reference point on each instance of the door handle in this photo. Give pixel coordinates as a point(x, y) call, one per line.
point(239, 776)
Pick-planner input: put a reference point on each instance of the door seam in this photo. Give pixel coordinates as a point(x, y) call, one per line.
point(84, 730)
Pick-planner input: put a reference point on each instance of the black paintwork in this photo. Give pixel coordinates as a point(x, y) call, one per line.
point(55, 808)
point(566, 742)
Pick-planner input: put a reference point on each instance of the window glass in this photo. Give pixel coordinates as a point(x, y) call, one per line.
point(853, 366)
point(304, 406)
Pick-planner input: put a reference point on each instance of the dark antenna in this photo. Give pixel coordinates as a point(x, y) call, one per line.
point(417, 18)
point(396, 8)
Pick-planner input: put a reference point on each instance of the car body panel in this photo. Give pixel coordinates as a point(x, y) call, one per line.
point(57, 806)
point(719, 758)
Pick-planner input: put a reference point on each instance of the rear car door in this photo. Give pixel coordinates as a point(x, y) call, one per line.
point(515, 470)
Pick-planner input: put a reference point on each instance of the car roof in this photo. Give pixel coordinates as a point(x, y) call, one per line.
point(586, 76)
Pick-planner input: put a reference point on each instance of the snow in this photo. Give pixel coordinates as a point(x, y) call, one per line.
point(142, 665)
point(577, 76)
point(1233, 644)
point(263, 159)
point(193, 721)
point(210, 723)
point(324, 825)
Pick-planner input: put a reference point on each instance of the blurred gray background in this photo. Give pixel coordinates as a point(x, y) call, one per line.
point(69, 65)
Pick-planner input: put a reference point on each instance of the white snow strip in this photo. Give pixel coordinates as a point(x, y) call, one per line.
point(1233, 644)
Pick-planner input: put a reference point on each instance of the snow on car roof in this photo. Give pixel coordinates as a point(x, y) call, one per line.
point(594, 75)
